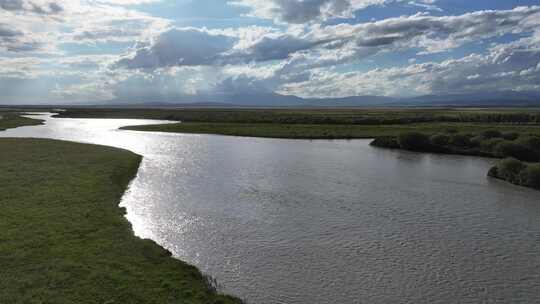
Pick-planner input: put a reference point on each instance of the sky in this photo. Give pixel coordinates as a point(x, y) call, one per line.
point(81, 51)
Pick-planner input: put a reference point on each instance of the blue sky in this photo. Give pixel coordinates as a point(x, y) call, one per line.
point(82, 51)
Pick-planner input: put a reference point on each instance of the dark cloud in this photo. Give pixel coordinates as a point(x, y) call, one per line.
point(305, 11)
point(180, 47)
point(31, 6)
point(7, 32)
point(14, 40)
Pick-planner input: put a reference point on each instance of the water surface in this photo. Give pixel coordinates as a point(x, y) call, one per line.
point(296, 221)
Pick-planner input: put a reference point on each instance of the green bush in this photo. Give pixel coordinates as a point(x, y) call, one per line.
point(510, 135)
point(440, 139)
point(515, 150)
point(385, 142)
point(460, 140)
point(510, 170)
point(489, 145)
point(530, 176)
point(477, 140)
point(532, 142)
point(414, 141)
point(491, 134)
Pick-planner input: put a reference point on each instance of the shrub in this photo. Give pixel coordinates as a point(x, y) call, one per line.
point(510, 135)
point(532, 142)
point(510, 170)
point(460, 140)
point(451, 131)
point(440, 139)
point(515, 150)
point(414, 141)
point(489, 144)
point(491, 134)
point(530, 176)
point(385, 142)
point(477, 140)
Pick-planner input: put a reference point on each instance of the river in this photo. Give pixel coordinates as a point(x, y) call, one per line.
point(299, 221)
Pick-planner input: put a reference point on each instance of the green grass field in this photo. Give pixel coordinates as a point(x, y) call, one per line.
point(63, 238)
point(301, 131)
point(323, 123)
point(345, 116)
point(10, 120)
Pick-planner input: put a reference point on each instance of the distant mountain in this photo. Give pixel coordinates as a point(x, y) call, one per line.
point(353, 101)
point(218, 100)
point(486, 99)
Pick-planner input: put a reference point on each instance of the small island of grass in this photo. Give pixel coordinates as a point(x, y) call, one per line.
point(63, 238)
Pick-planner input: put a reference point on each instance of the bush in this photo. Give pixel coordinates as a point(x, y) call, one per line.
point(440, 139)
point(460, 140)
point(489, 145)
point(510, 170)
point(530, 176)
point(515, 150)
point(414, 141)
point(385, 142)
point(491, 134)
point(532, 142)
point(510, 135)
point(477, 140)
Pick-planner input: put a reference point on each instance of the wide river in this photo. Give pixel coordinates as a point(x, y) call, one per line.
point(297, 221)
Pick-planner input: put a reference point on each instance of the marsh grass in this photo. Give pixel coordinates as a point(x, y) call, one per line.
point(10, 120)
point(316, 131)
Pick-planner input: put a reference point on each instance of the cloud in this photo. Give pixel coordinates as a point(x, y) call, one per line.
point(180, 47)
point(308, 52)
point(511, 66)
point(35, 6)
point(14, 40)
point(426, 4)
point(44, 26)
point(303, 11)
point(329, 45)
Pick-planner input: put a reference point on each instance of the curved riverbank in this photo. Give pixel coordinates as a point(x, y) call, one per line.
point(65, 240)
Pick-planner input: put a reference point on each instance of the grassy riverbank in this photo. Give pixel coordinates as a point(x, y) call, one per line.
point(314, 131)
point(63, 238)
point(10, 120)
point(319, 116)
point(322, 123)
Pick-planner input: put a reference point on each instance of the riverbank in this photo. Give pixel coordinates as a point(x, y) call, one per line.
point(63, 238)
point(10, 120)
point(315, 131)
point(323, 123)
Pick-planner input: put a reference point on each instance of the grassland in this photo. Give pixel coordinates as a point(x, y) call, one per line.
point(343, 116)
point(338, 131)
point(63, 238)
point(10, 120)
point(322, 123)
